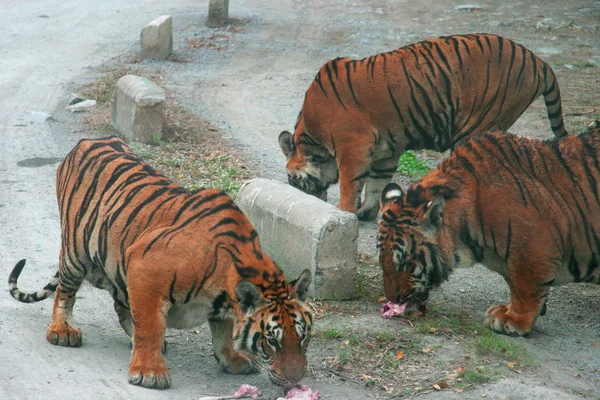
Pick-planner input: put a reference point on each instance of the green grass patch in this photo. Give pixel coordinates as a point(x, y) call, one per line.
point(503, 347)
point(449, 321)
point(474, 375)
point(410, 165)
point(331, 334)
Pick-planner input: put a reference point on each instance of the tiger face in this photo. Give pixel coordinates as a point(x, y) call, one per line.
point(275, 333)
point(409, 247)
point(310, 166)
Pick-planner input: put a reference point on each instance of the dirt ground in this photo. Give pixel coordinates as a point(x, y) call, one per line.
point(248, 81)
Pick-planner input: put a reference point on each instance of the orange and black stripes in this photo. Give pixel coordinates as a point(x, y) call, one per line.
point(164, 253)
point(363, 114)
point(525, 208)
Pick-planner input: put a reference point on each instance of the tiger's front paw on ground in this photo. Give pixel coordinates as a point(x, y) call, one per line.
point(500, 319)
point(239, 365)
point(64, 335)
point(153, 378)
point(367, 214)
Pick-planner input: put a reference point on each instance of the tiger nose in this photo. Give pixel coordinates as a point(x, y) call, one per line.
point(295, 372)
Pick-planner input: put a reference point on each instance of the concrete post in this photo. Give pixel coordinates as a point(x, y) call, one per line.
point(157, 38)
point(218, 13)
point(300, 231)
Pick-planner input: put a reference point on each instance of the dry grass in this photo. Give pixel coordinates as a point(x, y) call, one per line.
point(190, 151)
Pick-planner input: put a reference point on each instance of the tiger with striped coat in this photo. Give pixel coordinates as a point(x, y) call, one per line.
point(173, 258)
point(526, 209)
point(359, 116)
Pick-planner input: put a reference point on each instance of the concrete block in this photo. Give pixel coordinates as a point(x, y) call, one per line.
point(157, 38)
point(300, 231)
point(218, 13)
point(138, 110)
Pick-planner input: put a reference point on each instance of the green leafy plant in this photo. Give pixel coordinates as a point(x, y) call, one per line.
point(410, 165)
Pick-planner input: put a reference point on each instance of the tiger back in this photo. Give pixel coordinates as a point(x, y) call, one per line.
point(173, 258)
point(524, 208)
point(359, 116)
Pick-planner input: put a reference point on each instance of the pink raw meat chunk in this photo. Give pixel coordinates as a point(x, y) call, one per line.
point(301, 392)
point(390, 309)
point(246, 391)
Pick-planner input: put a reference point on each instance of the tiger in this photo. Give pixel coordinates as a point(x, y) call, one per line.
point(359, 116)
point(525, 208)
point(170, 258)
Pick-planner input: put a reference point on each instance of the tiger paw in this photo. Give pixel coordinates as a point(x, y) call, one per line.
point(153, 378)
point(502, 320)
point(367, 214)
point(64, 335)
point(239, 365)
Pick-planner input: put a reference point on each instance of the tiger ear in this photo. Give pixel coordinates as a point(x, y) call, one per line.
point(317, 154)
point(433, 218)
point(286, 142)
point(390, 193)
point(302, 283)
point(248, 295)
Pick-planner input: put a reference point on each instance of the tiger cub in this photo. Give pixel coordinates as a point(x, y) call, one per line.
point(359, 116)
point(524, 208)
point(172, 258)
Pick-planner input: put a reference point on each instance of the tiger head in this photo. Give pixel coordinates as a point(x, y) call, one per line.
point(310, 166)
point(276, 329)
point(409, 249)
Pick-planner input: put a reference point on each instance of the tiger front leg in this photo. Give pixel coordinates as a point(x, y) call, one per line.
point(380, 175)
point(148, 310)
point(353, 167)
point(126, 322)
point(527, 300)
point(222, 338)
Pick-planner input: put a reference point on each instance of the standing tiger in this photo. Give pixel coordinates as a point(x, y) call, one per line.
point(173, 258)
point(527, 209)
point(359, 116)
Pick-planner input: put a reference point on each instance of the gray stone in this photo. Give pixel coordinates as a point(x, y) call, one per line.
point(39, 116)
point(300, 231)
point(138, 110)
point(218, 13)
point(157, 38)
point(75, 98)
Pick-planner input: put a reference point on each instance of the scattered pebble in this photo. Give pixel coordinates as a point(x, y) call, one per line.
point(468, 7)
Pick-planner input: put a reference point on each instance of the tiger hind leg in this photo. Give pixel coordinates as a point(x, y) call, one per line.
point(62, 331)
point(222, 338)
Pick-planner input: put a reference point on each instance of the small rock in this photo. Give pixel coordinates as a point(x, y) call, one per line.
point(544, 24)
point(468, 7)
point(39, 116)
point(81, 106)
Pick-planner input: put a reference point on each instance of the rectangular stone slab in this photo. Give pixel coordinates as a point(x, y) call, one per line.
point(300, 231)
